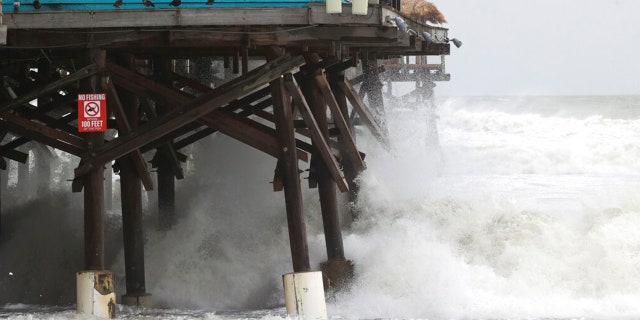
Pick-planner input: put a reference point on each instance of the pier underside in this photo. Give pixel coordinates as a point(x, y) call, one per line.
point(271, 78)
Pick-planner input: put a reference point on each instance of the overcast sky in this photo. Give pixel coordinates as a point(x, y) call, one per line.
point(543, 47)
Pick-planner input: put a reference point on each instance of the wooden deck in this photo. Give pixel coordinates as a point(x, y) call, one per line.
point(305, 28)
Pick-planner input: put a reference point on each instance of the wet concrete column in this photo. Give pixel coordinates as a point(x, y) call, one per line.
point(291, 180)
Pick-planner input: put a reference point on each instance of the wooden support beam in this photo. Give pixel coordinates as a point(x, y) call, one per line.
point(8, 150)
point(166, 195)
point(292, 190)
point(132, 227)
point(134, 82)
point(236, 62)
point(319, 140)
point(362, 111)
point(372, 87)
point(124, 127)
point(191, 111)
point(245, 60)
point(83, 73)
point(201, 134)
point(341, 124)
point(249, 132)
point(37, 132)
point(94, 212)
point(166, 149)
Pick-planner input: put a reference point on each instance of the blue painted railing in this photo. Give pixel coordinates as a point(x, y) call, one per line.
point(84, 5)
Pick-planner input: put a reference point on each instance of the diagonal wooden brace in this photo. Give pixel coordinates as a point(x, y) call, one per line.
point(191, 111)
point(124, 127)
point(341, 123)
point(316, 135)
point(51, 87)
point(362, 111)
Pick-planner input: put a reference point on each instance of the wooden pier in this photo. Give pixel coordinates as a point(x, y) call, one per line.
point(138, 57)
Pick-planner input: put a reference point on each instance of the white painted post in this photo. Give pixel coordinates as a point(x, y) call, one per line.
point(304, 295)
point(334, 6)
point(96, 294)
point(360, 7)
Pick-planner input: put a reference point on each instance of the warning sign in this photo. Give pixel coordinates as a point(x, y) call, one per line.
point(92, 112)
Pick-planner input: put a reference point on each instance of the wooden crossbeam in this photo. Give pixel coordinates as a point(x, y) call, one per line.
point(316, 135)
point(133, 81)
point(34, 114)
point(41, 133)
point(201, 134)
point(124, 127)
point(249, 132)
point(341, 124)
point(189, 112)
point(361, 110)
point(8, 150)
point(48, 88)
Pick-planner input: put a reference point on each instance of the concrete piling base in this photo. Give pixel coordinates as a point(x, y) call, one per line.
point(304, 295)
point(96, 293)
point(137, 300)
point(337, 274)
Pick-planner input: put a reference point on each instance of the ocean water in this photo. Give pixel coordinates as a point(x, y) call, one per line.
point(526, 208)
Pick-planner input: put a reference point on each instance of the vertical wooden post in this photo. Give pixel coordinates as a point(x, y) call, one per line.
point(166, 176)
point(292, 190)
point(348, 168)
point(94, 211)
point(2, 183)
point(373, 89)
point(166, 194)
point(43, 169)
point(326, 185)
point(337, 270)
point(245, 60)
point(94, 189)
point(236, 62)
point(132, 218)
point(22, 186)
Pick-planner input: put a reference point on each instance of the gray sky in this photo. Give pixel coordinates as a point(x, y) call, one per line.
point(543, 47)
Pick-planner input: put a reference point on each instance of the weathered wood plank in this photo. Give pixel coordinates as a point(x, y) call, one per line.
point(316, 135)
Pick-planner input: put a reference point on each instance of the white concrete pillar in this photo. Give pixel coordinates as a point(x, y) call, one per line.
point(96, 293)
point(304, 295)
